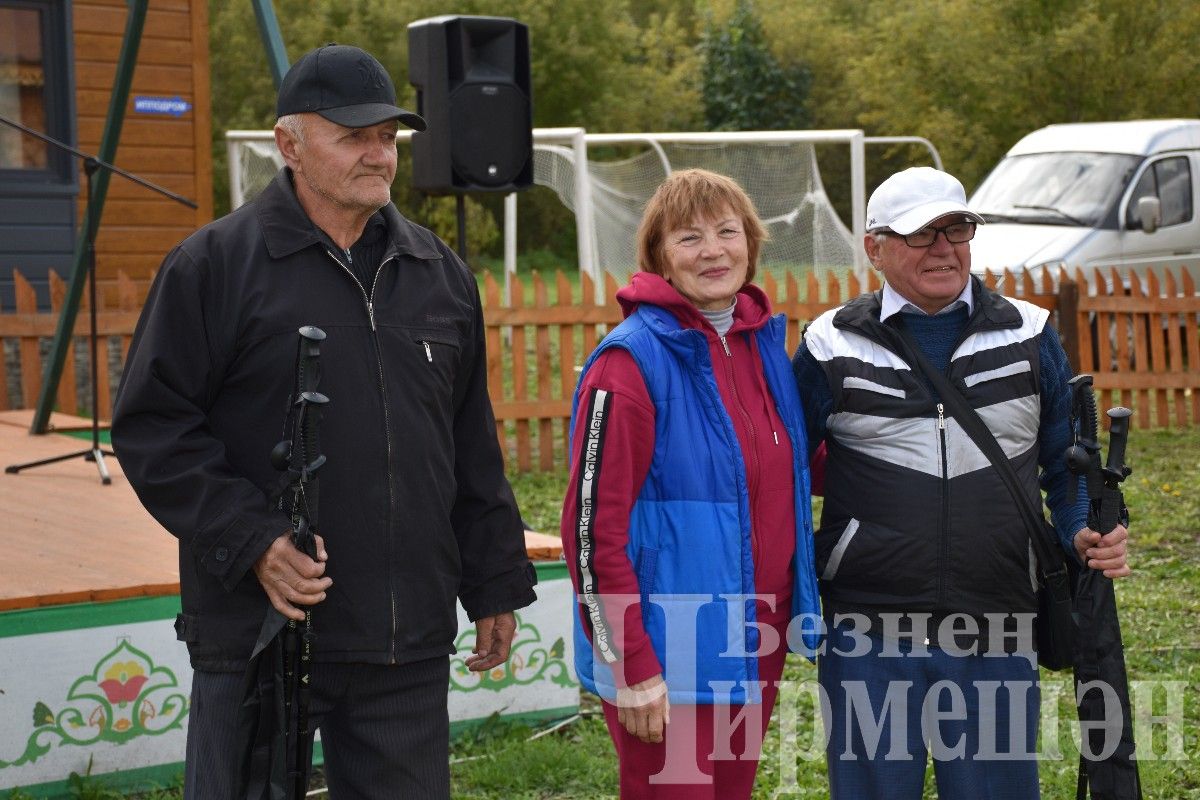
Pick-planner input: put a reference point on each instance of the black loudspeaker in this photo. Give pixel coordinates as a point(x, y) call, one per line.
point(472, 80)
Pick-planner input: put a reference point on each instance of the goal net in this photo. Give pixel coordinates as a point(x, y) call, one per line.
point(253, 161)
point(781, 178)
point(778, 171)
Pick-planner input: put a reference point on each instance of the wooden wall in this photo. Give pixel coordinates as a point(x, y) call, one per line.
point(139, 227)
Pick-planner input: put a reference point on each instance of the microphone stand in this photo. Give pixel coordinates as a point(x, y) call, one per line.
point(90, 164)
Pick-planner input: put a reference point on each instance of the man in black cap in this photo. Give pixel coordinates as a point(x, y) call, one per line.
point(416, 512)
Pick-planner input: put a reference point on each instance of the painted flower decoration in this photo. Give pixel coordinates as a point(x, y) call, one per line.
point(125, 697)
point(123, 681)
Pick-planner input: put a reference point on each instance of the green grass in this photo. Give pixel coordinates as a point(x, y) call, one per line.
point(540, 496)
point(506, 762)
point(1160, 615)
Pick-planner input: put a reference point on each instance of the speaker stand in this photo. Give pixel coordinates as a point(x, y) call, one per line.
point(460, 211)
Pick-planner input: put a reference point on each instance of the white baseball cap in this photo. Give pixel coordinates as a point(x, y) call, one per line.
point(915, 197)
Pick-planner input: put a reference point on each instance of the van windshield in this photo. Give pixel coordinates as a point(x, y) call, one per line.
point(1054, 188)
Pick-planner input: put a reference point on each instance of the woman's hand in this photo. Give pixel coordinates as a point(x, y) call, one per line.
point(644, 710)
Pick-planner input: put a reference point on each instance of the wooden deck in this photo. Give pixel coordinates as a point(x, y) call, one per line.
point(70, 539)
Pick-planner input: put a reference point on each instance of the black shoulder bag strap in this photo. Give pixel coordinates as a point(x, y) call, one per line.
point(974, 427)
point(1057, 654)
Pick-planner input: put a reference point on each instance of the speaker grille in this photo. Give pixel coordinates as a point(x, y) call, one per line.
point(492, 140)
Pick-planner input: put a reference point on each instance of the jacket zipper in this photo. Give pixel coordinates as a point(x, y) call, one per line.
point(753, 449)
point(369, 299)
point(944, 518)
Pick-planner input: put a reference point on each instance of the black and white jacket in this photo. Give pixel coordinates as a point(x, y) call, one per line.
point(915, 519)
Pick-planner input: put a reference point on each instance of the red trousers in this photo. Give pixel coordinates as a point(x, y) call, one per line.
point(702, 756)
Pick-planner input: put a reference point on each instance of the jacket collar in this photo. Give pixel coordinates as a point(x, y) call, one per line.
point(287, 229)
point(753, 309)
point(991, 311)
point(892, 302)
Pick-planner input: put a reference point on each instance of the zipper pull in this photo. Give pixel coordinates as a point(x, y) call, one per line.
point(371, 313)
point(725, 344)
point(776, 435)
point(349, 258)
point(428, 352)
point(941, 419)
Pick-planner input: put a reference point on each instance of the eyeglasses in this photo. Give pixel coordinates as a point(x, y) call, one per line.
point(956, 233)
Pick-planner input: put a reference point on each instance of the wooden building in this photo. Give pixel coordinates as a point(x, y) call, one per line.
point(58, 62)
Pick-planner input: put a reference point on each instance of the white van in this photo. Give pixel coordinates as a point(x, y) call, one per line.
point(1093, 194)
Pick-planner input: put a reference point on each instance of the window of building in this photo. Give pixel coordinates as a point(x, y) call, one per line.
point(34, 86)
point(22, 87)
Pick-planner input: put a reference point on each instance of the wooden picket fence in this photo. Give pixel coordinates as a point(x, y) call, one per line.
point(1140, 344)
point(1150, 361)
point(118, 304)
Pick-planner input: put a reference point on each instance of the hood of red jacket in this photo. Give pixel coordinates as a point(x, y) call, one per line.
point(752, 311)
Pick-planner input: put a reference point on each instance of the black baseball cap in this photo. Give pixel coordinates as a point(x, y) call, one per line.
point(343, 84)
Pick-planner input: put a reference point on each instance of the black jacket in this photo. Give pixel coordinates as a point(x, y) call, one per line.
point(415, 509)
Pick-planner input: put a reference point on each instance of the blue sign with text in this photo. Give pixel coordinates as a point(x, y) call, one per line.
point(175, 106)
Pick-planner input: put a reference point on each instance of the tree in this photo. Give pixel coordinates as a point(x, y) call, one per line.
point(744, 85)
point(975, 77)
point(593, 65)
point(971, 77)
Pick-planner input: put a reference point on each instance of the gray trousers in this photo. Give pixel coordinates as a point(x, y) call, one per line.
point(385, 731)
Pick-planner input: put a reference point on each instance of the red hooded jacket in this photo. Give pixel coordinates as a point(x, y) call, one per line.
point(629, 447)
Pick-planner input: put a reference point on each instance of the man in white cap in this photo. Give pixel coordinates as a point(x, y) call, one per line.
point(416, 511)
point(927, 573)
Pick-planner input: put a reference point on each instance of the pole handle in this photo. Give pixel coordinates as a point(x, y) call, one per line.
point(1118, 436)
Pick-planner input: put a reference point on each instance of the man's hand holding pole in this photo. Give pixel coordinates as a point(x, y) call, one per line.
point(290, 578)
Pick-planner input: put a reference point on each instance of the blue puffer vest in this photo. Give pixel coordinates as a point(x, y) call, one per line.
point(689, 532)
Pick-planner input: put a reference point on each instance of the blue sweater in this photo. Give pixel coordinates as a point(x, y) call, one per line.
point(936, 336)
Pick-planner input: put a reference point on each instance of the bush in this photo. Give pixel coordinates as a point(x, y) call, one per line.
point(439, 214)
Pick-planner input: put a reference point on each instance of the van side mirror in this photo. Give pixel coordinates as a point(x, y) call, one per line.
point(1150, 213)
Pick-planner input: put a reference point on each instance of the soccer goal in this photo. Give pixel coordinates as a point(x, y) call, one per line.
point(778, 169)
